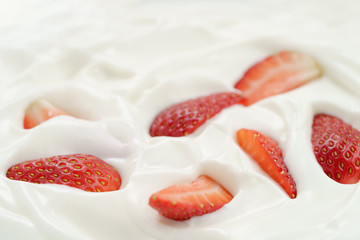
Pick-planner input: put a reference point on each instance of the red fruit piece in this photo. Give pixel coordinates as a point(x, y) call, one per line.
point(276, 74)
point(184, 118)
point(183, 201)
point(336, 148)
point(267, 153)
point(83, 171)
point(39, 111)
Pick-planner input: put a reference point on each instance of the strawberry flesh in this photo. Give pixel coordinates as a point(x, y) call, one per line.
point(277, 74)
point(336, 148)
point(39, 111)
point(183, 201)
point(82, 171)
point(184, 118)
point(267, 153)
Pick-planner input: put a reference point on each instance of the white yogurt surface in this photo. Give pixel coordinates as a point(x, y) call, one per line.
point(115, 64)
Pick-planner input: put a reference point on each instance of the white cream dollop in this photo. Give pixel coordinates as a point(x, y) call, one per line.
point(115, 64)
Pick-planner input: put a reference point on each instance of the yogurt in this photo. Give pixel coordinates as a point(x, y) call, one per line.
point(113, 65)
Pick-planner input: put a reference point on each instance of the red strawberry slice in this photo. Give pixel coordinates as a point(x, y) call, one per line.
point(83, 171)
point(39, 111)
point(185, 117)
point(336, 148)
point(267, 153)
point(276, 74)
point(183, 201)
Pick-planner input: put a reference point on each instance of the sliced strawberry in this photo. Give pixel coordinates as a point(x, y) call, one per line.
point(267, 153)
point(183, 201)
point(83, 171)
point(39, 111)
point(336, 148)
point(185, 117)
point(276, 74)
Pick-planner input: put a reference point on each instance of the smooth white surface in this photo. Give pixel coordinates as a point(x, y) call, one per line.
point(116, 64)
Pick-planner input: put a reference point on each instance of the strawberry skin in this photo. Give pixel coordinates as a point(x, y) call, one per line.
point(183, 201)
point(83, 171)
point(39, 111)
point(267, 153)
point(276, 74)
point(184, 118)
point(336, 148)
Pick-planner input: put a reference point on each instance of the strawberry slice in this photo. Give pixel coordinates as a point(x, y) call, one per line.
point(83, 171)
point(183, 201)
point(336, 148)
point(276, 74)
point(39, 111)
point(267, 153)
point(184, 118)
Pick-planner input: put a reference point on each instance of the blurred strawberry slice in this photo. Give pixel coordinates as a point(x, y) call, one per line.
point(277, 74)
point(39, 111)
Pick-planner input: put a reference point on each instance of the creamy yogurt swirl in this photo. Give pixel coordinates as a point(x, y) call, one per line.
point(114, 65)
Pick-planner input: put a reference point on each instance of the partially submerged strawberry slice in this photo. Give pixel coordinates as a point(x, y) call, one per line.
point(183, 201)
point(336, 148)
point(82, 171)
point(39, 111)
point(276, 74)
point(184, 118)
point(267, 153)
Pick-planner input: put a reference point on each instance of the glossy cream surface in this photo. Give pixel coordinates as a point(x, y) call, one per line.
point(114, 65)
